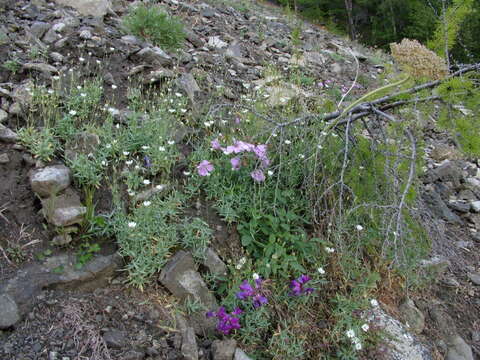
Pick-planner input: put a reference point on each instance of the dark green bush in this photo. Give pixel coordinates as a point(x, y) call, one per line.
point(154, 24)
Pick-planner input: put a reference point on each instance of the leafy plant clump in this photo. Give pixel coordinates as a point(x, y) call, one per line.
point(154, 24)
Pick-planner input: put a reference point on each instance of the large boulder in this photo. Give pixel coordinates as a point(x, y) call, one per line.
point(50, 180)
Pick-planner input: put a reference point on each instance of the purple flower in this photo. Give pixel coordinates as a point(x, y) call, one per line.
point(215, 144)
point(248, 291)
point(298, 288)
point(226, 322)
point(260, 151)
point(204, 168)
point(258, 175)
point(236, 162)
point(146, 160)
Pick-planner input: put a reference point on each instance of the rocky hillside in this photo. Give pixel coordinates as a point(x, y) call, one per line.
point(117, 235)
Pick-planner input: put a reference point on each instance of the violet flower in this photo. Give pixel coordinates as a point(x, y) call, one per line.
point(205, 168)
point(248, 291)
point(146, 160)
point(298, 288)
point(236, 162)
point(258, 175)
point(215, 144)
point(226, 322)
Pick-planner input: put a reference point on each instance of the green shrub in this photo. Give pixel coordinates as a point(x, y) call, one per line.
point(154, 24)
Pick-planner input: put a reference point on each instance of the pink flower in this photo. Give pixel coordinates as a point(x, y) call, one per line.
point(215, 144)
point(258, 175)
point(204, 168)
point(260, 151)
point(235, 163)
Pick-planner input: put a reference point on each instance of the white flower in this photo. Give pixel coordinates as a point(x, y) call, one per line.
point(98, 62)
point(126, 153)
point(178, 94)
point(267, 265)
point(361, 167)
point(108, 146)
point(359, 227)
point(83, 94)
point(72, 112)
point(208, 123)
point(171, 110)
point(270, 172)
point(114, 86)
point(321, 271)
point(301, 156)
point(170, 142)
point(136, 167)
point(320, 147)
point(288, 142)
point(186, 173)
point(147, 203)
point(183, 110)
point(129, 162)
point(329, 249)
point(145, 147)
point(81, 59)
point(350, 333)
point(324, 133)
point(56, 77)
point(159, 187)
point(238, 267)
point(358, 346)
point(255, 276)
point(365, 327)
point(374, 302)
point(112, 48)
point(274, 134)
point(334, 135)
point(104, 162)
point(132, 224)
point(50, 91)
point(161, 148)
point(243, 260)
point(146, 182)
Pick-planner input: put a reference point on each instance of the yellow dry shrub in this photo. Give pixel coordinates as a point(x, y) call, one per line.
point(418, 61)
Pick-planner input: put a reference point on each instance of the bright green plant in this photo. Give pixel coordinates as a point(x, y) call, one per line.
point(154, 24)
point(12, 65)
point(85, 253)
point(40, 142)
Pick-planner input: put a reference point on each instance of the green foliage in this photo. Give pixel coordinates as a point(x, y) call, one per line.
point(195, 236)
point(154, 24)
point(287, 344)
point(12, 65)
point(40, 142)
point(147, 236)
point(85, 253)
point(87, 170)
point(449, 25)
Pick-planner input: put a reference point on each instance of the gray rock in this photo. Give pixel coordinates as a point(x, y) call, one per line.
point(187, 83)
point(9, 314)
point(442, 152)
point(473, 182)
point(402, 345)
point(458, 349)
point(189, 344)
point(55, 56)
point(147, 194)
point(50, 180)
point(437, 266)
point(315, 58)
point(3, 115)
point(39, 28)
point(240, 355)
point(467, 195)
point(413, 318)
point(459, 206)
point(23, 94)
point(133, 355)
point(180, 277)
point(476, 237)
point(439, 208)
point(158, 75)
point(42, 67)
point(234, 50)
point(7, 135)
point(85, 35)
point(4, 159)
point(64, 210)
point(62, 239)
point(84, 143)
point(51, 36)
point(95, 8)
point(224, 349)
point(336, 68)
point(475, 206)
point(154, 56)
point(15, 109)
point(194, 39)
point(115, 339)
point(474, 278)
point(214, 263)
point(449, 171)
